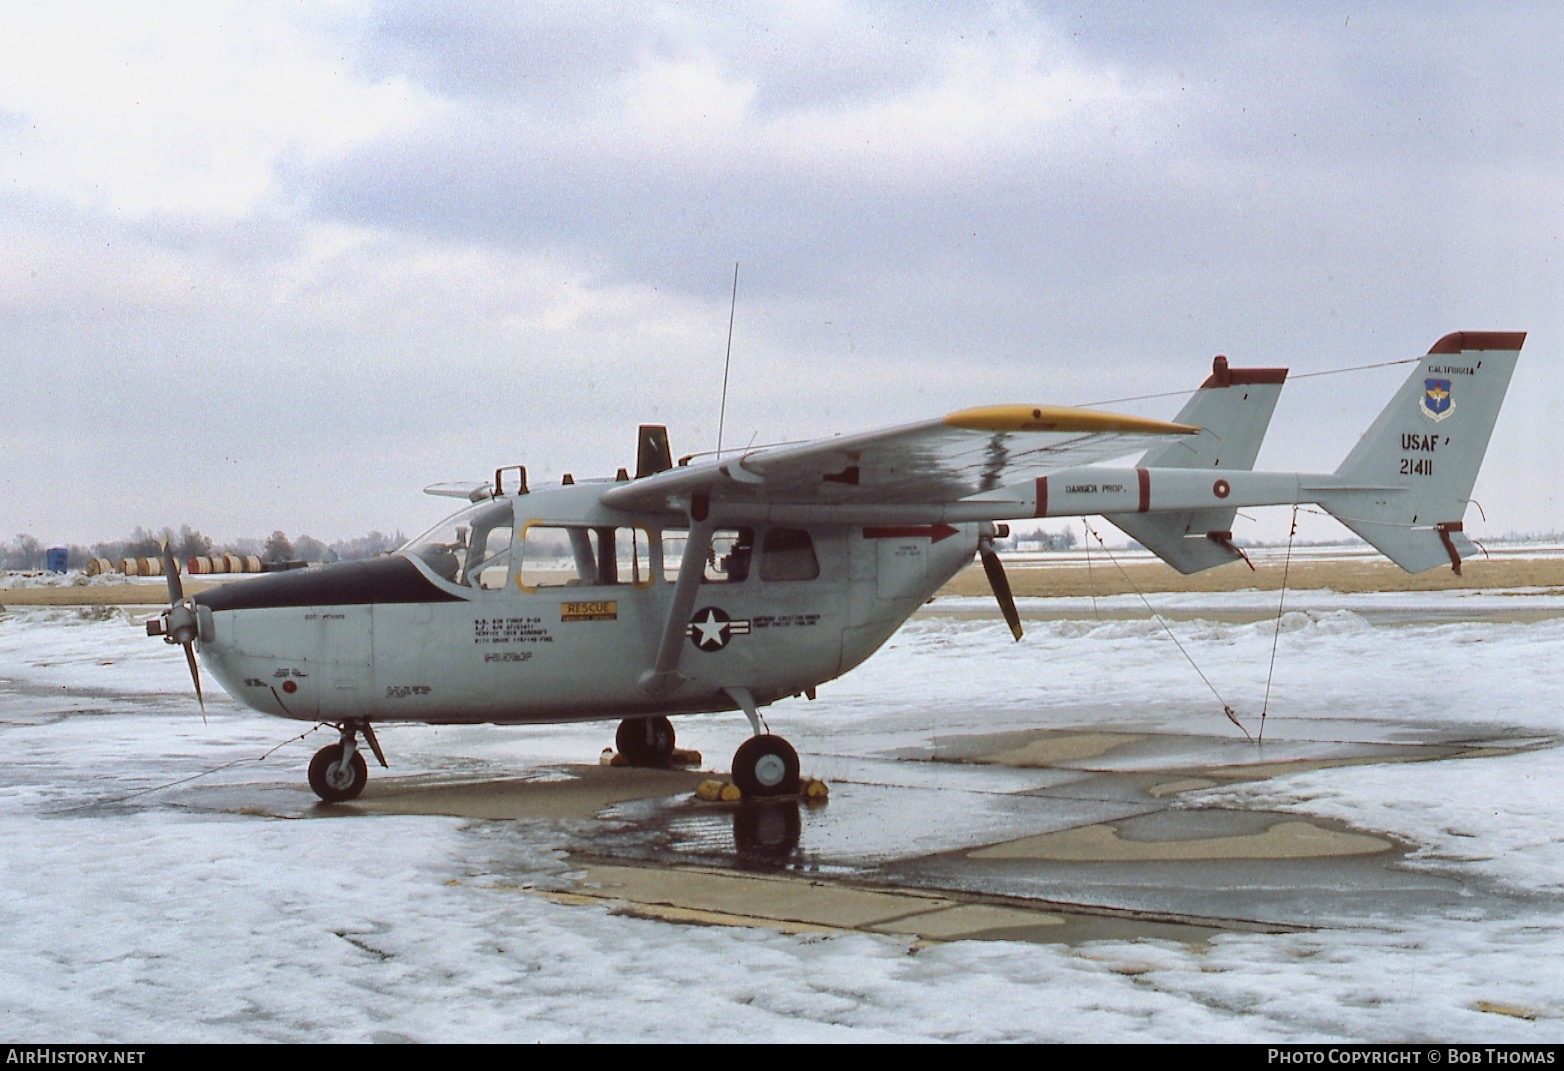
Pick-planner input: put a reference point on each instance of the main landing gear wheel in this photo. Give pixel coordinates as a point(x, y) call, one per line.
point(766, 766)
point(335, 781)
point(645, 741)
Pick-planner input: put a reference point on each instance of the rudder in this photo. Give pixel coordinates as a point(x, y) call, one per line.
point(1406, 484)
point(1233, 409)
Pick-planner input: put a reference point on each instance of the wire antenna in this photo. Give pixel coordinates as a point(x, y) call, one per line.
point(727, 362)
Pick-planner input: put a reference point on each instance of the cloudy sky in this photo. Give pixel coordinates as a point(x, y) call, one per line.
point(281, 266)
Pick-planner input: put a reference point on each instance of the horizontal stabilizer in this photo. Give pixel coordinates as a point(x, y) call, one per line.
point(472, 492)
point(1189, 552)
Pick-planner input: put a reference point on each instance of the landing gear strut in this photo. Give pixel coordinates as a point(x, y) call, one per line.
point(338, 772)
point(645, 742)
point(764, 765)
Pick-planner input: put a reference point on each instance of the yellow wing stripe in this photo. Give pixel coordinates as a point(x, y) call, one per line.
point(1060, 418)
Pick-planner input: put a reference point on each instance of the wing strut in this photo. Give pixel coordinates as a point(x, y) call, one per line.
point(664, 676)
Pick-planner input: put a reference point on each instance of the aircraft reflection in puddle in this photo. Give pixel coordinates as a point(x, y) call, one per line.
point(766, 833)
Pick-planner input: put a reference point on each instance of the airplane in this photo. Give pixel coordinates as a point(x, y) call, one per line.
point(730, 583)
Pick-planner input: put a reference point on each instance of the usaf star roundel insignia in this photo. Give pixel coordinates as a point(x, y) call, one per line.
point(1437, 402)
point(711, 628)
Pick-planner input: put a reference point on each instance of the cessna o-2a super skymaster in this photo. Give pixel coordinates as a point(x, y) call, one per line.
point(734, 582)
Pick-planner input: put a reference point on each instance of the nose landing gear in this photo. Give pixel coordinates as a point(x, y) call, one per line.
point(338, 772)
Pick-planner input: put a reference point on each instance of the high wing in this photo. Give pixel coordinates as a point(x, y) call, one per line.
point(930, 463)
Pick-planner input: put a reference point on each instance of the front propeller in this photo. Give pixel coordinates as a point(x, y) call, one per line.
point(178, 624)
point(995, 571)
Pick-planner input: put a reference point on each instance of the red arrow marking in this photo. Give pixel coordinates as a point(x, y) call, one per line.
point(933, 532)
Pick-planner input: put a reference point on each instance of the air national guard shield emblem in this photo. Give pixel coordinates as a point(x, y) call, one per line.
point(1437, 402)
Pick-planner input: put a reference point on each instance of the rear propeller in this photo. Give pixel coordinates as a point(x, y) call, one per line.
point(995, 571)
point(178, 623)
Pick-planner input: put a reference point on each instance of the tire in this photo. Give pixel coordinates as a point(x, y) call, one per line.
point(326, 775)
point(766, 766)
point(645, 741)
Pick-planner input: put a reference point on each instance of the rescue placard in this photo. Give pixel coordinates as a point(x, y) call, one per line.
point(589, 611)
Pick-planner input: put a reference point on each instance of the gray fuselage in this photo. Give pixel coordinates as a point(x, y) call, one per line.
point(549, 607)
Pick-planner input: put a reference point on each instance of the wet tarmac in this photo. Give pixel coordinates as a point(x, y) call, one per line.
point(1052, 836)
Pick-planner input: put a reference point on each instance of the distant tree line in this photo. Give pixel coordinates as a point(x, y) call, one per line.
point(25, 553)
point(1038, 540)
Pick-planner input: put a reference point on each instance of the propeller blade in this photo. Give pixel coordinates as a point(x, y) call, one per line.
point(176, 589)
point(195, 675)
point(1001, 585)
point(180, 622)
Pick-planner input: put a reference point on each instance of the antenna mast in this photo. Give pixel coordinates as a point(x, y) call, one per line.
point(727, 362)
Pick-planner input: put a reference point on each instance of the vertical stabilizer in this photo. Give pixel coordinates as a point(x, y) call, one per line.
point(1233, 409)
point(1409, 479)
point(652, 452)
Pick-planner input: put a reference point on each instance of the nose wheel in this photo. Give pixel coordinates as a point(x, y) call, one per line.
point(335, 779)
point(338, 772)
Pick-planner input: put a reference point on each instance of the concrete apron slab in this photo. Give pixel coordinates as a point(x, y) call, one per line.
point(1284, 840)
point(791, 904)
point(1221, 864)
point(578, 792)
point(567, 792)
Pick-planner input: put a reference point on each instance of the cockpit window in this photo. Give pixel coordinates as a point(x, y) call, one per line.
point(471, 548)
point(727, 561)
point(488, 561)
point(572, 555)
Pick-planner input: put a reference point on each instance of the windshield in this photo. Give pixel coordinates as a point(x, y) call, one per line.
point(471, 547)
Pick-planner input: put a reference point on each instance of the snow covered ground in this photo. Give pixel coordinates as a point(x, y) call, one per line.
point(129, 912)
